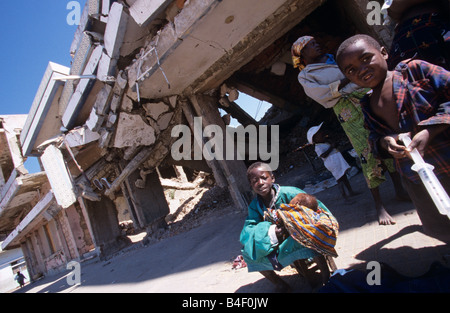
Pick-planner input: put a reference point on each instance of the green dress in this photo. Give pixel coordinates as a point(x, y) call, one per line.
point(349, 113)
point(321, 82)
point(255, 239)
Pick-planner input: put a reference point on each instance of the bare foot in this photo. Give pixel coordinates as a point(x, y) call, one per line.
point(384, 218)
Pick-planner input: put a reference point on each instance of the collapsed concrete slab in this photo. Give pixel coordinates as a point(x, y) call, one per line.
point(132, 131)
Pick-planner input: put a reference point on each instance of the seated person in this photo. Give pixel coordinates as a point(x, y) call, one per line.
point(266, 245)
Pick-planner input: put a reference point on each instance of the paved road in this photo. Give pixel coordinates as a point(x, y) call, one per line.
point(199, 261)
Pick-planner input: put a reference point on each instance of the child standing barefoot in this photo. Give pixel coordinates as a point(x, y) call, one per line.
point(324, 82)
point(414, 99)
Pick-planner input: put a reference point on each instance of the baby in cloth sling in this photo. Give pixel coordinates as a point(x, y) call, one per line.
point(303, 219)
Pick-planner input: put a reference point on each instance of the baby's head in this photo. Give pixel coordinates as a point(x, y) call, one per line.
point(363, 60)
point(306, 200)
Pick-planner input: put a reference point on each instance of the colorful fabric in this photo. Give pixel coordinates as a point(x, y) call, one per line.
point(296, 51)
point(317, 230)
point(427, 35)
point(422, 94)
point(349, 113)
point(255, 239)
point(239, 262)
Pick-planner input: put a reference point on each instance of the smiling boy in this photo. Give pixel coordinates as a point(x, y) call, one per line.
point(414, 99)
point(323, 81)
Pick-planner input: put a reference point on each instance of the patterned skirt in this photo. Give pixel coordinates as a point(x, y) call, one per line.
point(349, 113)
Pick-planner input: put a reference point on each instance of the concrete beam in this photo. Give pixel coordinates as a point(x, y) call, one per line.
point(41, 106)
point(10, 128)
point(144, 11)
point(275, 25)
point(113, 38)
point(168, 40)
point(210, 40)
point(58, 176)
point(84, 19)
point(18, 191)
point(82, 91)
point(30, 219)
point(100, 109)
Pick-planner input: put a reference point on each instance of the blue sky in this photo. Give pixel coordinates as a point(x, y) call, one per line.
point(35, 33)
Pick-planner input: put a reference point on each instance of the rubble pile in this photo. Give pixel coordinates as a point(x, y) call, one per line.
point(197, 206)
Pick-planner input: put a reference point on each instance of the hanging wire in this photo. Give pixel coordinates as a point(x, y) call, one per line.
point(258, 108)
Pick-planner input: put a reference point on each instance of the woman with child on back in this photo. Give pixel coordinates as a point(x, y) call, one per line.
point(324, 82)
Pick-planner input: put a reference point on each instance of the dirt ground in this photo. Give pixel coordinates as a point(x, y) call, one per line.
point(196, 252)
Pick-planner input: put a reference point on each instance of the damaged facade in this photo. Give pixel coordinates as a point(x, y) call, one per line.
point(103, 128)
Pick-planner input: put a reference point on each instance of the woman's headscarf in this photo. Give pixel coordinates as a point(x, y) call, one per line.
point(296, 50)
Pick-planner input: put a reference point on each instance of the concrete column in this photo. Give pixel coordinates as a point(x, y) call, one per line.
point(149, 202)
point(105, 225)
point(235, 171)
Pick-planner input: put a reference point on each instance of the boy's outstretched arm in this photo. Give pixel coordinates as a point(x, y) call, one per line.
point(421, 139)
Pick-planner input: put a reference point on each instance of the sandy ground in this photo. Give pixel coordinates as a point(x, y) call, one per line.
point(195, 254)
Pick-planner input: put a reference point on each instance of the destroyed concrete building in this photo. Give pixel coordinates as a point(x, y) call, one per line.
point(103, 128)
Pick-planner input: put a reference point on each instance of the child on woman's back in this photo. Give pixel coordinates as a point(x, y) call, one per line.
point(324, 82)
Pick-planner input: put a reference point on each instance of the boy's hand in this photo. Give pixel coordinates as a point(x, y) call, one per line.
point(389, 143)
point(421, 139)
point(419, 142)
